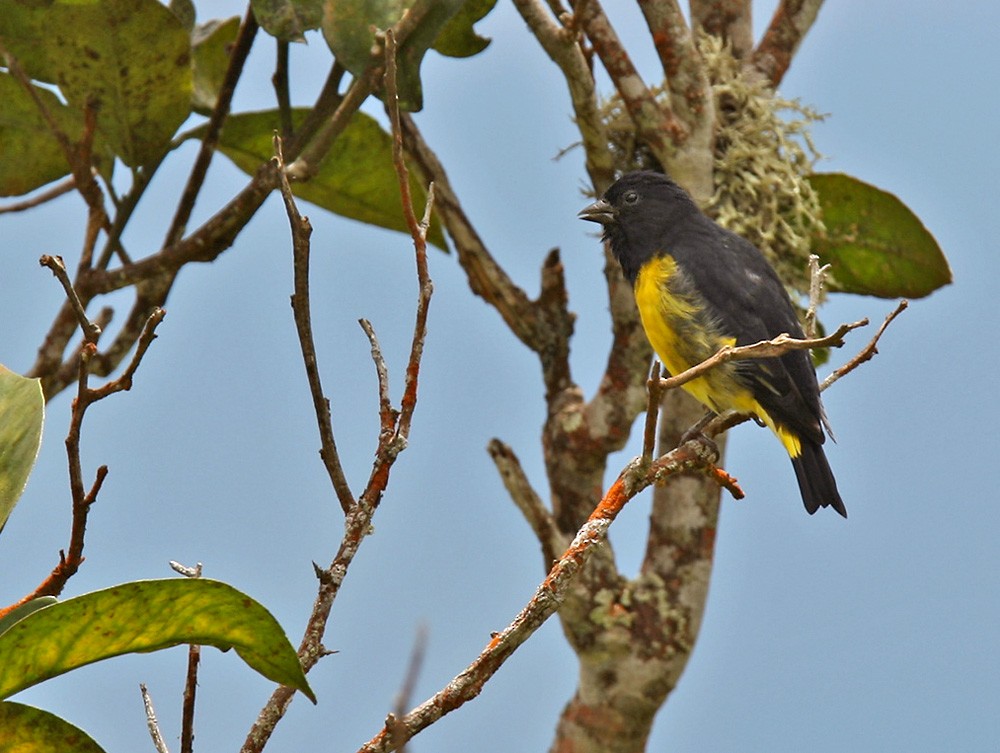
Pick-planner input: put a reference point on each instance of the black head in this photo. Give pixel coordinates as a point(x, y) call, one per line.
point(638, 213)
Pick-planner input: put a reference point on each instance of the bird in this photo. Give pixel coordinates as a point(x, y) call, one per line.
point(699, 287)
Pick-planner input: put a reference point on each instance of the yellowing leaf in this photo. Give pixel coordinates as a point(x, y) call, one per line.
point(356, 179)
point(210, 43)
point(130, 58)
point(146, 616)
point(25, 729)
point(876, 245)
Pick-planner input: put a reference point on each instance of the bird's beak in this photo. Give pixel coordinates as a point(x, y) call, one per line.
point(600, 211)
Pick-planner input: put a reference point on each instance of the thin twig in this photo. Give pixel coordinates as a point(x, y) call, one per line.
point(764, 349)
point(418, 232)
point(301, 309)
point(637, 475)
point(154, 726)
point(402, 702)
point(191, 677)
point(82, 500)
point(729, 419)
point(91, 332)
point(237, 57)
point(391, 441)
point(791, 21)
point(282, 90)
point(528, 501)
point(63, 187)
point(868, 352)
point(654, 389)
point(817, 277)
point(387, 414)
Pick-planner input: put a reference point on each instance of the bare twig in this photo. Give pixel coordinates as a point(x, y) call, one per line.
point(282, 89)
point(392, 440)
point(301, 231)
point(91, 332)
point(763, 349)
point(191, 678)
point(817, 277)
point(868, 352)
point(60, 188)
point(656, 123)
point(528, 501)
point(636, 476)
point(405, 693)
point(146, 337)
point(791, 20)
point(387, 414)
point(237, 57)
point(654, 388)
point(71, 559)
point(729, 419)
point(418, 232)
point(563, 47)
point(154, 726)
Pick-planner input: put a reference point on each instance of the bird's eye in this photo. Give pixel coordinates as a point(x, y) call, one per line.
point(630, 198)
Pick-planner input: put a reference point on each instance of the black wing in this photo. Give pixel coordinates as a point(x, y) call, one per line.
point(748, 301)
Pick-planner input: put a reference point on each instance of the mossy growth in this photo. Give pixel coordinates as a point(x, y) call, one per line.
point(763, 156)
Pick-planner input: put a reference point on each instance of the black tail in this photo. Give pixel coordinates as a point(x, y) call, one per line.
point(816, 481)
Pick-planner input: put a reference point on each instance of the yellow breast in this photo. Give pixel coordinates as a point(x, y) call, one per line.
point(678, 331)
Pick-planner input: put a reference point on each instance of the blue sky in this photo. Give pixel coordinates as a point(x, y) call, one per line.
point(876, 633)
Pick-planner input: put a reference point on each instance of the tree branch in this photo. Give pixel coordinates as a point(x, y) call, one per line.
point(730, 20)
point(237, 57)
point(773, 348)
point(658, 126)
point(301, 232)
point(60, 188)
point(516, 482)
point(563, 46)
point(392, 440)
point(791, 21)
point(866, 353)
point(82, 500)
point(636, 476)
point(687, 83)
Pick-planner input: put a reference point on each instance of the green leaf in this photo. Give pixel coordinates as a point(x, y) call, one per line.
point(210, 45)
point(146, 616)
point(32, 156)
point(131, 58)
point(356, 179)
point(288, 20)
point(348, 29)
point(458, 39)
point(19, 613)
point(22, 413)
point(25, 729)
point(185, 12)
point(876, 245)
